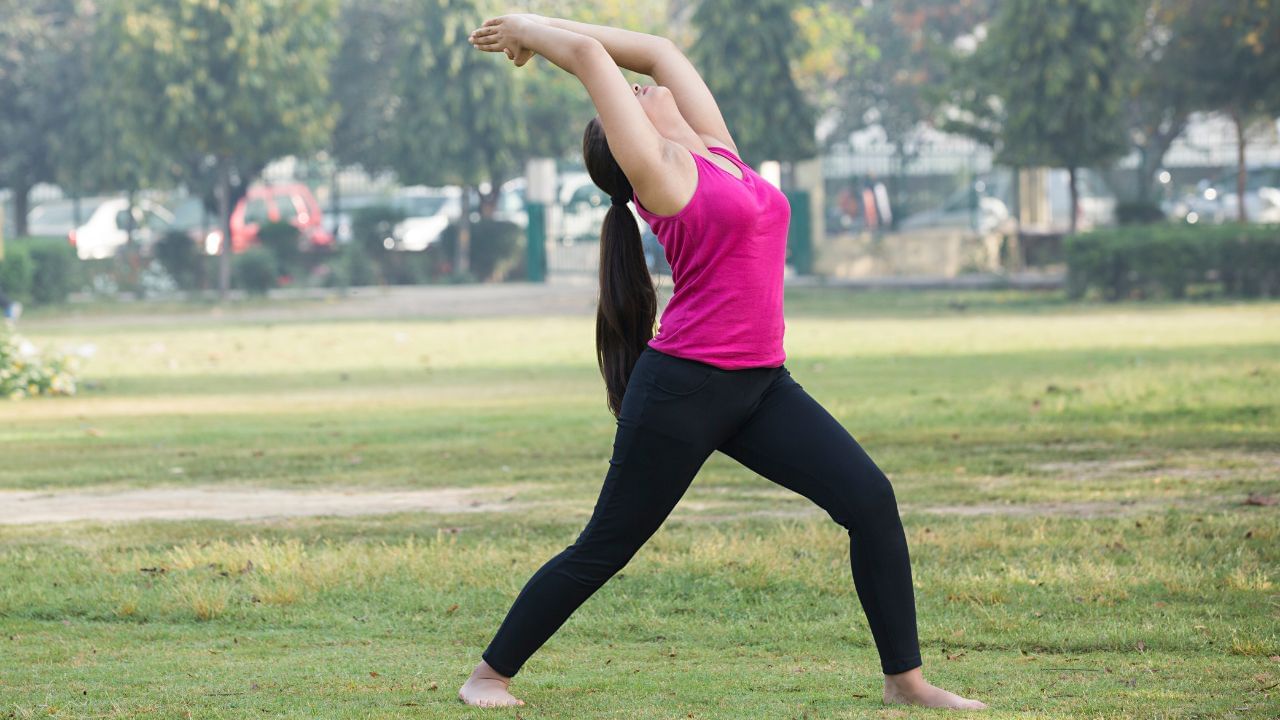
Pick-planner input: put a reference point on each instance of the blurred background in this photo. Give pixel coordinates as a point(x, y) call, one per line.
point(162, 148)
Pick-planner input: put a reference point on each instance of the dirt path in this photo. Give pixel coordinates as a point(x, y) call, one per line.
point(18, 507)
point(221, 503)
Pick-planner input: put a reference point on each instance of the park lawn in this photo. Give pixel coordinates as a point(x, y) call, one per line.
point(1072, 478)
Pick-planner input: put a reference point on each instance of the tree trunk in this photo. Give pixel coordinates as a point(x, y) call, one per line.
point(1075, 199)
point(21, 207)
point(462, 263)
point(1241, 173)
point(335, 203)
point(224, 218)
point(130, 203)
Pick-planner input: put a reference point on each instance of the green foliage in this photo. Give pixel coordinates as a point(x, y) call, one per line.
point(180, 258)
point(282, 240)
point(495, 250)
point(456, 122)
point(354, 268)
point(1139, 212)
point(41, 81)
point(25, 372)
point(1167, 260)
point(54, 272)
point(372, 226)
point(255, 270)
point(371, 229)
point(17, 272)
point(1232, 53)
point(1060, 83)
point(745, 51)
point(218, 89)
point(898, 84)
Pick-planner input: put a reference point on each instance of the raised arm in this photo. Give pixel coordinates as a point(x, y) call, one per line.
point(649, 160)
point(660, 59)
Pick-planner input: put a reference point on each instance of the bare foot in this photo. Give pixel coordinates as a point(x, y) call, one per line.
point(910, 688)
point(487, 688)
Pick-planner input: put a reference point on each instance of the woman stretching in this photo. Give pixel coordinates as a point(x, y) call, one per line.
point(713, 376)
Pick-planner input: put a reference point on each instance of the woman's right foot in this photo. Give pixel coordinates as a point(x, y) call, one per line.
point(910, 688)
point(487, 688)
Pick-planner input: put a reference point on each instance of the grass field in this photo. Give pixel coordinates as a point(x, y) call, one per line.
point(1072, 477)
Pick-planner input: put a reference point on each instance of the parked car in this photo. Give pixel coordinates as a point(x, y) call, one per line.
point(655, 257)
point(511, 205)
point(56, 218)
point(581, 209)
point(1215, 201)
point(293, 203)
point(427, 212)
point(111, 222)
point(337, 218)
point(973, 208)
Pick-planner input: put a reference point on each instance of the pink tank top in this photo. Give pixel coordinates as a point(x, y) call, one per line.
point(727, 249)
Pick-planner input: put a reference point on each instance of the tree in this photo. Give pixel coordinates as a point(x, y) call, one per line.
point(1160, 98)
point(1050, 84)
point(456, 117)
point(41, 54)
point(233, 83)
point(1232, 51)
point(745, 51)
point(361, 80)
point(896, 85)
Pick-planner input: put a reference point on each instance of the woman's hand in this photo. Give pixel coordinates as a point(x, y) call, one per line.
point(506, 34)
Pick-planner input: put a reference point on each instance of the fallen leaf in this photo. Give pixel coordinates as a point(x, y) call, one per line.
point(373, 674)
point(451, 609)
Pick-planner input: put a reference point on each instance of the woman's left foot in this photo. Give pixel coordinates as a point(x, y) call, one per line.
point(910, 688)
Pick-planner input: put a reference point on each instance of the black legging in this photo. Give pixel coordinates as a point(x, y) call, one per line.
point(675, 413)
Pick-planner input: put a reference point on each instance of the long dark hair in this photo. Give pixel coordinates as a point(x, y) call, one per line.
point(628, 302)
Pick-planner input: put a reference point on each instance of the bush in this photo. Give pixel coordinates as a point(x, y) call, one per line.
point(55, 270)
point(1139, 212)
point(371, 226)
point(24, 372)
point(17, 272)
point(1167, 260)
point(495, 250)
point(254, 271)
point(282, 240)
point(180, 257)
point(351, 266)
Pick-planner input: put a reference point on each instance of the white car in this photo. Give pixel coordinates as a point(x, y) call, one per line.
point(108, 227)
point(1216, 201)
point(581, 210)
point(427, 211)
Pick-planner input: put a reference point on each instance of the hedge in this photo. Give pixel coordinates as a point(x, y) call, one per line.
point(39, 270)
point(1167, 260)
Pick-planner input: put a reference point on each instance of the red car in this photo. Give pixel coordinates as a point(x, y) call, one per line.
point(294, 204)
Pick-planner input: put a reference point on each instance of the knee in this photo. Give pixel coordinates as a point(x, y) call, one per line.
point(593, 562)
point(868, 496)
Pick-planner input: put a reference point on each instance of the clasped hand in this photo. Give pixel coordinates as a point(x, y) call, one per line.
point(506, 34)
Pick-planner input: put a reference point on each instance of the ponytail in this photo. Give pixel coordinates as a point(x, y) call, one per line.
point(628, 303)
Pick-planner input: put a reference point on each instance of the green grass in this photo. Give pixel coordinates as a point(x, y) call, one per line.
point(1072, 479)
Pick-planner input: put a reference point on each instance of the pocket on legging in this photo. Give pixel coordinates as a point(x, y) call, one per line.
point(677, 376)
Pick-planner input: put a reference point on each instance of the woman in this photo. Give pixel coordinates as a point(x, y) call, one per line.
point(712, 378)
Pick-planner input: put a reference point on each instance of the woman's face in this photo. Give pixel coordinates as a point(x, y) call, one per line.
point(660, 105)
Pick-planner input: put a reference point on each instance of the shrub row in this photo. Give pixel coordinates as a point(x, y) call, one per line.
point(39, 270)
point(1169, 260)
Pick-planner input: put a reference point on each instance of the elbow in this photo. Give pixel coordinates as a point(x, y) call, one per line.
point(586, 51)
point(667, 46)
